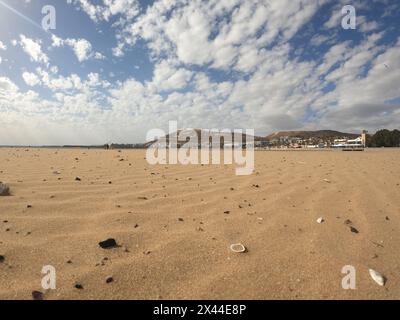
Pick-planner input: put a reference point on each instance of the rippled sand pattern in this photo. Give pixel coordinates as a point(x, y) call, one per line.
point(175, 224)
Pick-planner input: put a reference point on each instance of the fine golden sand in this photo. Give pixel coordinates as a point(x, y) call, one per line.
point(175, 224)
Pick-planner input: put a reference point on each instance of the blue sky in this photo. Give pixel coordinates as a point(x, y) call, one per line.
point(114, 69)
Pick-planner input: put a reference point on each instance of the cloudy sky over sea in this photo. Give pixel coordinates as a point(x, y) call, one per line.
point(114, 69)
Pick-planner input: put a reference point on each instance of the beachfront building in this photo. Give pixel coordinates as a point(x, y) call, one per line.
point(357, 144)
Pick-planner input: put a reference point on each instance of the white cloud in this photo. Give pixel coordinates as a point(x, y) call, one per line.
point(33, 49)
point(224, 31)
point(127, 9)
point(99, 56)
point(7, 86)
point(30, 79)
point(168, 77)
point(216, 64)
point(335, 19)
point(57, 42)
point(366, 26)
point(82, 48)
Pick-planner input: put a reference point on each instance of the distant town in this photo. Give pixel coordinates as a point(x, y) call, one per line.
point(322, 139)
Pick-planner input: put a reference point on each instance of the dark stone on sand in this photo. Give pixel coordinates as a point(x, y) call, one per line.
point(180, 219)
point(4, 190)
point(2, 259)
point(78, 179)
point(109, 279)
point(108, 244)
point(37, 295)
point(354, 230)
point(227, 212)
point(142, 198)
point(29, 206)
point(78, 286)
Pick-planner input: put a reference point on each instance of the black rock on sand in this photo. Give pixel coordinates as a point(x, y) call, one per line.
point(4, 190)
point(108, 244)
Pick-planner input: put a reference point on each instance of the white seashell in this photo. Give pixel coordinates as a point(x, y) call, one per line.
point(327, 180)
point(320, 220)
point(238, 248)
point(378, 278)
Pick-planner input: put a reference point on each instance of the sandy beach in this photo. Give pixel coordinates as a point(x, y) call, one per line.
point(174, 225)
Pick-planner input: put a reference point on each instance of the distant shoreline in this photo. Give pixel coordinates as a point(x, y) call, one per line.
point(255, 149)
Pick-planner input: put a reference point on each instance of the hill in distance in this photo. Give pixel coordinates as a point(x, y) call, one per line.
point(319, 134)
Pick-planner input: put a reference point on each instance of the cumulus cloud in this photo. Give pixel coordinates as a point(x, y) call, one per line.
point(33, 49)
point(219, 41)
point(216, 64)
point(82, 48)
point(108, 9)
point(6, 85)
point(30, 79)
point(3, 46)
point(168, 77)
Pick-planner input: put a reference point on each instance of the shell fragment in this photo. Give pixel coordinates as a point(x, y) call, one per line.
point(377, 277)
point(238, 248)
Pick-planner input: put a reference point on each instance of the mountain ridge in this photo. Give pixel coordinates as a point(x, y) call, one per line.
point(322, 134)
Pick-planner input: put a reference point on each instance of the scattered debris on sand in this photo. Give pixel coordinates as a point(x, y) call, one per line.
point(354, 230)
point(37, 295)
point(348, 222)
point(109, 279)
point(108, 244)
point(320, 220)
point(4, 190)
point(238, 248)
point(78, 286)
point(377, 277)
